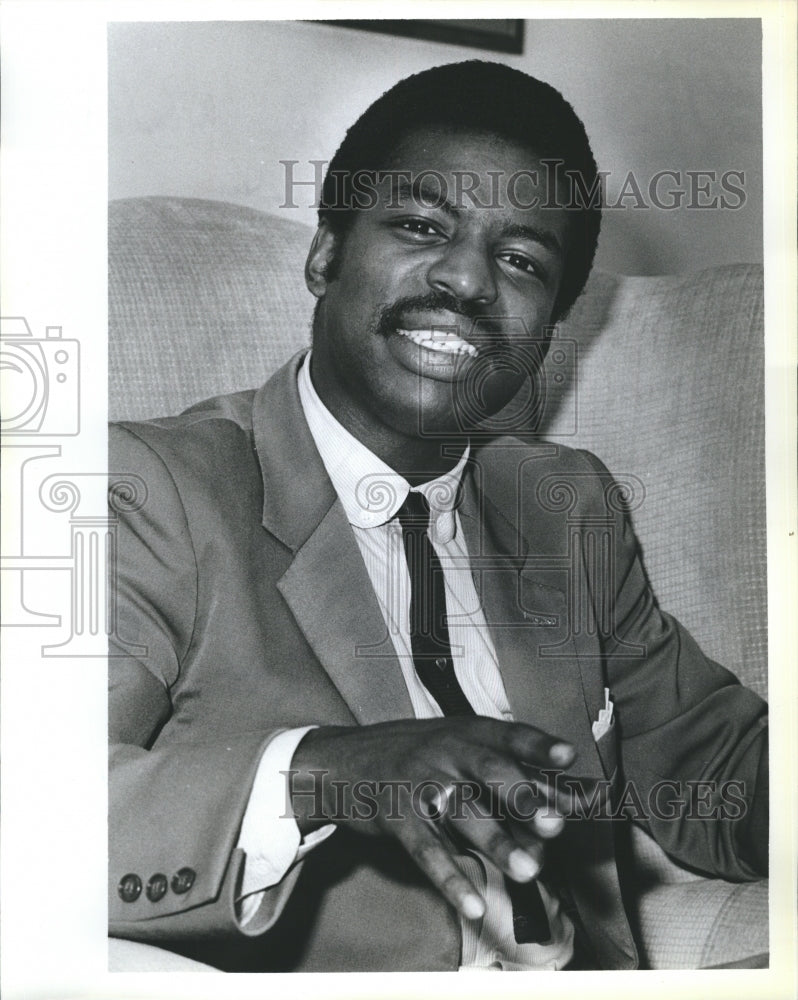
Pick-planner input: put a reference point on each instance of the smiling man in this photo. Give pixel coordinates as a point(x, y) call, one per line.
point(429, 293)
point(367, 730)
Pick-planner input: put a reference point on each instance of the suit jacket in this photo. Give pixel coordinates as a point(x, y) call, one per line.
point(244, 608)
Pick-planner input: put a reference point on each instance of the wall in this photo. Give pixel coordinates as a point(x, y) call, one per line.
point(208, 109)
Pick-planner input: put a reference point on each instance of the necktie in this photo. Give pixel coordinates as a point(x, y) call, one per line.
point(429, 633)
point(432, 658)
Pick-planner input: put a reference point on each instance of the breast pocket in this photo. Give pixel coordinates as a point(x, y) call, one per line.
point(607, 747)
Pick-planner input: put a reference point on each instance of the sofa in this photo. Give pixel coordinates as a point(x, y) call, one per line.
point(662, 377)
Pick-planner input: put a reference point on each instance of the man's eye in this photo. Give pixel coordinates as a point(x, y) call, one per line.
point(419, 227)
point(522, 263)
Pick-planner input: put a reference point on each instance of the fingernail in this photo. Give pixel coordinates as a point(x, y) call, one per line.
point(473, 907)
point(549, 823)
point(561, 753)
point(522, 867)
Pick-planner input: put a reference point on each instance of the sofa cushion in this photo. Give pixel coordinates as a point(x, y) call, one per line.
point(671, 390)
point(203, 297)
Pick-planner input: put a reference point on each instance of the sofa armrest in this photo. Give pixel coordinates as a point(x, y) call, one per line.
point(684, 921)
point(703, 923)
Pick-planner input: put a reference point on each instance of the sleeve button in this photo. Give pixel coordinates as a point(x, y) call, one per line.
point(129, 888)
point(156, 887)
point(183, 880)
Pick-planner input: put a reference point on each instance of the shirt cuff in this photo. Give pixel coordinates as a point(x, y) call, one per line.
point(269, 835)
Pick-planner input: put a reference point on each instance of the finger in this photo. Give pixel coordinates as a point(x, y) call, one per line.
point(543, 791)
point(548, 825)
point(509, 793)
point(533, 746)
point(526, 743)
point(519, 857)
point(538, 805)
point(435, 860)
point(526, 840)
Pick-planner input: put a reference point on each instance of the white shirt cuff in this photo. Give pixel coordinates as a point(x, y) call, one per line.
point(269, 835)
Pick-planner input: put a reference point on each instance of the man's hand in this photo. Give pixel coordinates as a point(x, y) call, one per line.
point(397, 778)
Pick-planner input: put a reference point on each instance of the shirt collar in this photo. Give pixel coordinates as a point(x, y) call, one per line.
point(370, 491)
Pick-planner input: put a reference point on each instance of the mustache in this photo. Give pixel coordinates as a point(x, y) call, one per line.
point(391, 316)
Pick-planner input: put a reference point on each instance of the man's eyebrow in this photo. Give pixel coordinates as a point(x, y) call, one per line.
point(522, 231)
point(423, 193)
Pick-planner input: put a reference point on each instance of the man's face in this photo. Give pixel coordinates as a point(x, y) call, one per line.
point(433, 313)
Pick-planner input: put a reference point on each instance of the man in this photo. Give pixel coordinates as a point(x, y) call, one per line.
point(366, 727)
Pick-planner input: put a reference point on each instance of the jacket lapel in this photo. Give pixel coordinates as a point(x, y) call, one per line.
point(527, 614)
point(329, 592)
point(327, 586)
point(553, 681)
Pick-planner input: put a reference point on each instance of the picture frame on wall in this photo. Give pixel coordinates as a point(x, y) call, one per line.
point(495, 34)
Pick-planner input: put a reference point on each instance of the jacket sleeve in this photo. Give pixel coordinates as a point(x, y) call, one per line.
point(692, 739)
point(175, 807)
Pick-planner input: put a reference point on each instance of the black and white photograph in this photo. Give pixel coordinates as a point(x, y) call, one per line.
point(446, 571)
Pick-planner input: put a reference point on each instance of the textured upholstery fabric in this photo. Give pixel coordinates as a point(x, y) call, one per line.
point(671, 373)
point(667, 386)
point(703, 923)
point(684, 921)
point(203, 298)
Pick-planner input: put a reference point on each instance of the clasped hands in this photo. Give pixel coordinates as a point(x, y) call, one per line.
point(437, 786)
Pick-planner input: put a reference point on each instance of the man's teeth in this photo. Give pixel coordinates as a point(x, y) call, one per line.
point(440, 340)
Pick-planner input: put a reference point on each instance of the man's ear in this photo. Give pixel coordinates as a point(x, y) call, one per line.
point(320, 262)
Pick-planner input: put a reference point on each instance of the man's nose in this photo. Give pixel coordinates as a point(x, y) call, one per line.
point(466, 271)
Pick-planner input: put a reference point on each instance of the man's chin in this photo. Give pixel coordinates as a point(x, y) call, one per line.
point(457, 420)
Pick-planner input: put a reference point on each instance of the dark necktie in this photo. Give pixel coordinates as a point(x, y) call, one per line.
point(432, 658)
